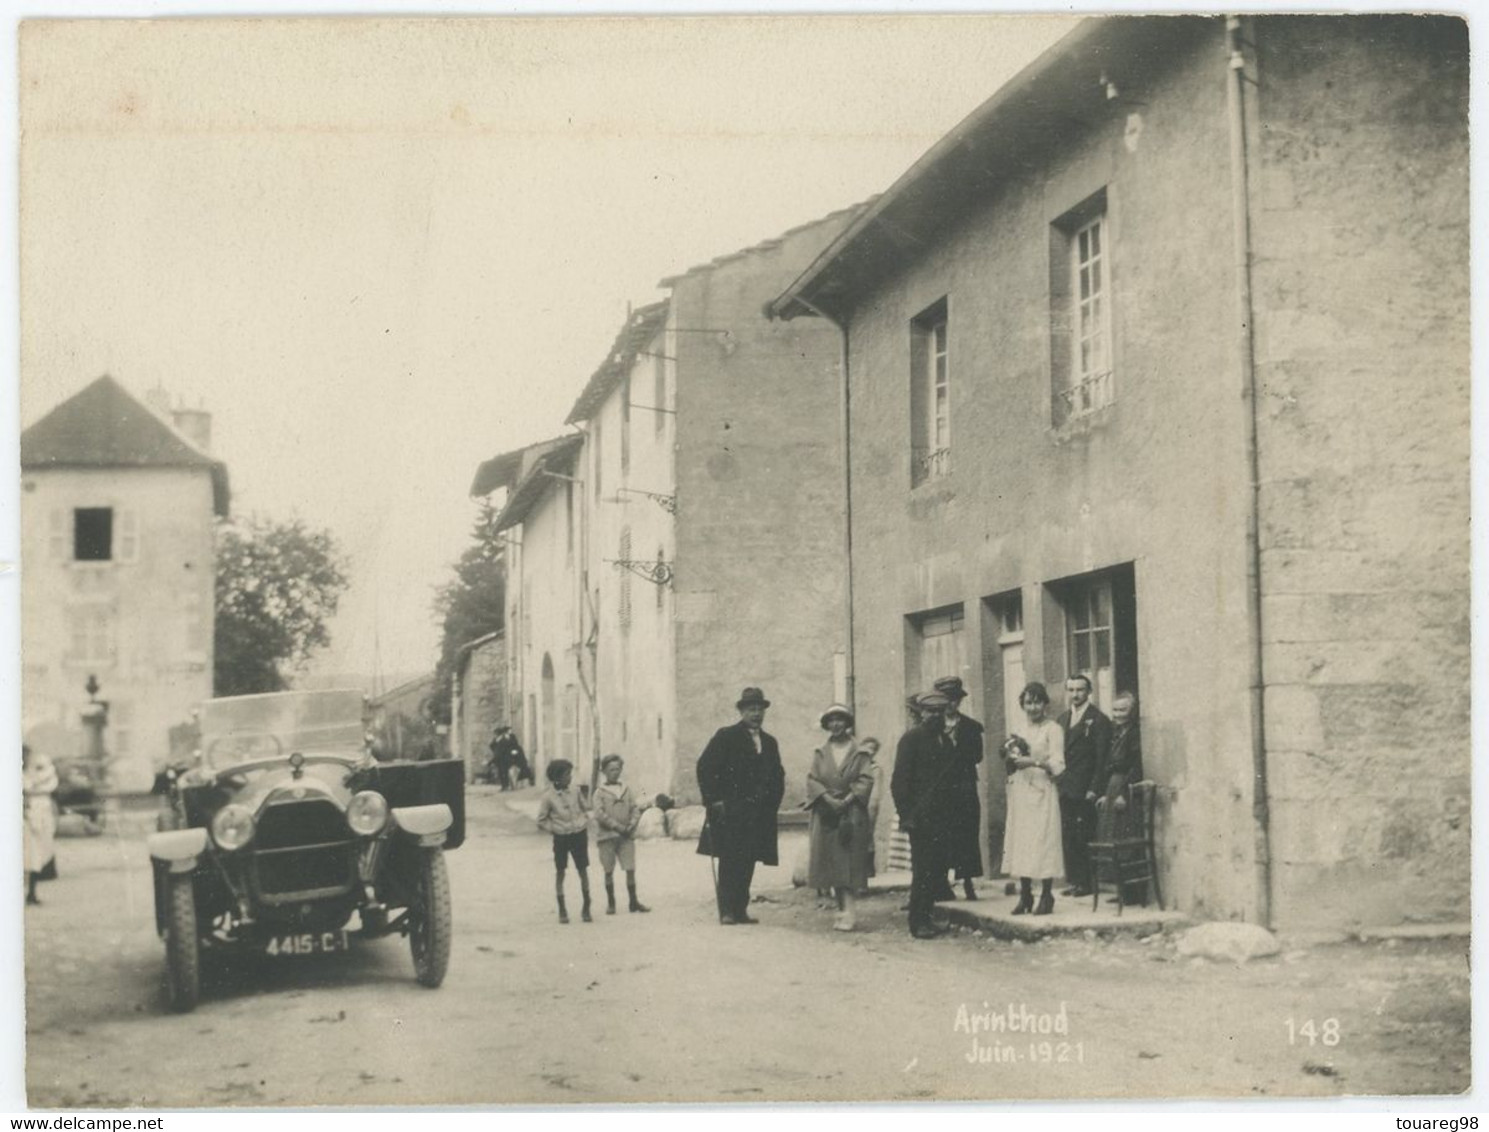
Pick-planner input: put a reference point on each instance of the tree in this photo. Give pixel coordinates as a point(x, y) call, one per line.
point(278, 585)
point(470, 605)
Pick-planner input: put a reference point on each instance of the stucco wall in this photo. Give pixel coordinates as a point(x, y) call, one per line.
point(760, 570)
point(1362, 294)
point(161, 606)
point(549, 627)
point(1156, 480)
point(637, 698)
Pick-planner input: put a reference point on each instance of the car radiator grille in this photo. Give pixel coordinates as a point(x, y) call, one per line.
point(303, 850)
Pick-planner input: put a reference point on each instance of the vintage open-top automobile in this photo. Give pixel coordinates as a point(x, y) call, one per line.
point(284, 826)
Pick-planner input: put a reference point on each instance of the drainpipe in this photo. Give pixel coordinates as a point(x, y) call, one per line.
point(1245, 342)
point(845, 423)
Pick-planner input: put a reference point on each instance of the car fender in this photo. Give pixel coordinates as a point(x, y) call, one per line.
point(178, 848)
point(428, 823)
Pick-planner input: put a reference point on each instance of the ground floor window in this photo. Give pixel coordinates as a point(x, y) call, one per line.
point(1101, 630)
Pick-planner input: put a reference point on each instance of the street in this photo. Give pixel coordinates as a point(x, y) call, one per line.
point(672, 1007)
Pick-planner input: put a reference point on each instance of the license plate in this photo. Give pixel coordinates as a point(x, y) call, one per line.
point(307, 943)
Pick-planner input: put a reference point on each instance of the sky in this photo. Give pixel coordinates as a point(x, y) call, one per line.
point(380, 251)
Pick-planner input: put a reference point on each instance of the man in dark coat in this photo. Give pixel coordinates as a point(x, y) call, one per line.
point(926, 785)
point(1087, 736)
point(966, 835)
point(742, 783)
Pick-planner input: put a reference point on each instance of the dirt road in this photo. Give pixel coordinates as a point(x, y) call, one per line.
point(671, 1006)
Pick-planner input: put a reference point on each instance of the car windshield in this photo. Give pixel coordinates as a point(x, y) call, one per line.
point(241, 729)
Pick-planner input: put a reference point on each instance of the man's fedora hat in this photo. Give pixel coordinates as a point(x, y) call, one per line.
point(951, 687)
point(752, 697)
point(839, 710)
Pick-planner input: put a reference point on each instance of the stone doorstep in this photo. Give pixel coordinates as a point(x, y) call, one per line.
point(1072, 916)
point(1416, 931)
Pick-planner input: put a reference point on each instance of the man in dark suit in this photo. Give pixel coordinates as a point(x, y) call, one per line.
point(1087, 736)
point(925, 785)
point(965, 848)
point(742, 783)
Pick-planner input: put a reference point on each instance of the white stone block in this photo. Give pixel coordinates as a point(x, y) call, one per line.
point(1234, 942)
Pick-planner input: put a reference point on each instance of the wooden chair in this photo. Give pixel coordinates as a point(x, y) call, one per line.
point(1124, 847)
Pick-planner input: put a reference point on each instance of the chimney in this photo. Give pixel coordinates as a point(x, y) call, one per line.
point(159, 399)
point(195, 425)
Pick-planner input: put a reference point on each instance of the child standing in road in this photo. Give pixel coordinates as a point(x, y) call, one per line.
point(617, 814)
point(564, 813)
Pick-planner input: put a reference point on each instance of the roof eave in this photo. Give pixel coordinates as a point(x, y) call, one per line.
point(811, 292)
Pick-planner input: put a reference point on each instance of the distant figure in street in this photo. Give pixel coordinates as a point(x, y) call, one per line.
point(1088, 734)
point(1035, 757)
point(564, 813)
point(742, 783)
point(617, 814)
point(925, 785)
point(521, 772)
point(966, 834)
point(39, 826)
point(503, 746)
point(839, 787)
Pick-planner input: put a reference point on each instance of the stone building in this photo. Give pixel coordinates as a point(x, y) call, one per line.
point(118, 505)
point(1159, 371)
point(480, 700)
point(687, 541)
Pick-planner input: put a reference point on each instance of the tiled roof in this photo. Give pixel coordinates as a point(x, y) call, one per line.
point(639, 329)
point(766, 245)
point(557, 457)
point(510, 467)
point(104, 426)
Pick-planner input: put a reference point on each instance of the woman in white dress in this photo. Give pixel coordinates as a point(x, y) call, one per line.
point(39, 824)
point(1035, 757)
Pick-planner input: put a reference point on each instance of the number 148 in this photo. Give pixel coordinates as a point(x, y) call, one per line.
point(1314, 1034)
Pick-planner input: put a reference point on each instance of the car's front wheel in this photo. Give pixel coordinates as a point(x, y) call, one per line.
point(429, 930)
point(182, 948)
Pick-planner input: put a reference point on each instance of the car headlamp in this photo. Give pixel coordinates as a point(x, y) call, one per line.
point(232, 827)
point(367, 813)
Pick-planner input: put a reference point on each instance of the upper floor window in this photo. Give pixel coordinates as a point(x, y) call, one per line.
point(930, 395)
point(625, 425)
point(1081, 310)
point(659, 389)
point(595, 437)
point(571, 506)
point(94, 534)
point(91, 634)
point(624, 611)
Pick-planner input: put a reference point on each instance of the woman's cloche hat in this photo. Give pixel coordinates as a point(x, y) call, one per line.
point(836, 709)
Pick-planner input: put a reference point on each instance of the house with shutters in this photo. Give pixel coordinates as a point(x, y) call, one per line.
point(118, 503)
point(1158, 367)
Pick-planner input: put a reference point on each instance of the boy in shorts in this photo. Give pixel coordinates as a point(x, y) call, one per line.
point(564, 813)
point(617, 815)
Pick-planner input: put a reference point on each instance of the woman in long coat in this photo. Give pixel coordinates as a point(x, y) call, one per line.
point(839, 788)
point(39, 829)
point(1031, 840)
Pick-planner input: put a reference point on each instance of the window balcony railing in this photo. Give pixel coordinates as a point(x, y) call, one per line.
point(1095, 392)
point(929, 463)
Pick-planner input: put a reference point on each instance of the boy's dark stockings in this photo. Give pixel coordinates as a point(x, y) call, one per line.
point(636, 905)
point(563, 911)
point(609, 894)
